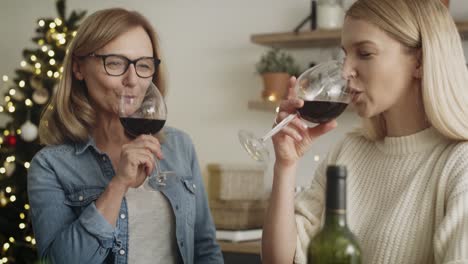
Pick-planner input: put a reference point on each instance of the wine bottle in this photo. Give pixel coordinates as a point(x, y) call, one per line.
point(335, 243)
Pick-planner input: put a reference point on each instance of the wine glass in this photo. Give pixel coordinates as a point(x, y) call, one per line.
point(144, 112)
point(326, 95)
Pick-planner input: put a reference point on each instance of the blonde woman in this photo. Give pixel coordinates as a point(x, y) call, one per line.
point(85, 186)
point(408, 166)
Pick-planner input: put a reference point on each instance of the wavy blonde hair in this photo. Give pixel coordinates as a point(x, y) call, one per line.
point(69, 117)
point(426, 25)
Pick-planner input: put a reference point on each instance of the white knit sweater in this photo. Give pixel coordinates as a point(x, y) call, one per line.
point(407, 199)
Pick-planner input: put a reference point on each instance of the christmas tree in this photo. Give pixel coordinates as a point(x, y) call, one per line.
point(25, 96)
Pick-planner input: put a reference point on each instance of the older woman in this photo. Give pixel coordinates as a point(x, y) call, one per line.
point(87, 203)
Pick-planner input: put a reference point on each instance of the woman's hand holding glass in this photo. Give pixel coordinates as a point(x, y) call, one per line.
point(319, 95)
point(295, 139)
point(137, 160)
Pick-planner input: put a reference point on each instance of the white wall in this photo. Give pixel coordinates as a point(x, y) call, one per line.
point(210, 61)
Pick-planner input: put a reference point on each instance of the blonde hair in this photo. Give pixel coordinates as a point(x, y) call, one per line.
point(426, 25)
point(69, 117)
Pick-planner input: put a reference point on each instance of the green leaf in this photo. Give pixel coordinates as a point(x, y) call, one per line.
point(276, 60)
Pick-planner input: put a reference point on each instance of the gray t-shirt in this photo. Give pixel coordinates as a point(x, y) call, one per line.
point(151, 228)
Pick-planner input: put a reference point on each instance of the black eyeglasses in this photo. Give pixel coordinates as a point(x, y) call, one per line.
point(117, 65)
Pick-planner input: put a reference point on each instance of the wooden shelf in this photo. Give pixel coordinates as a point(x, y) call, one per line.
point(303, 39)
point(249, 247)
point(316, 38)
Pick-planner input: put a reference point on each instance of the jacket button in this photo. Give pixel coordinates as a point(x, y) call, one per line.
point(122, 252)
point(177, 207)
point(80, 198)
point(182, 244)
point(194, 186)
point(122, 216)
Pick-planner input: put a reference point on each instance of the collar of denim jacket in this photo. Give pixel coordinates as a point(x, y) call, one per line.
point(81, 147)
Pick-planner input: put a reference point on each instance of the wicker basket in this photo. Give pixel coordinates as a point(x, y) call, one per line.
point(238, 215)
point(235, 182)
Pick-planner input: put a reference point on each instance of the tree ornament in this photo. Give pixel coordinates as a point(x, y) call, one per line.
point(36, 83)
point(10, 167)
point(3, 199)
point(28, 131)
point(40, 96)
point(10, 140)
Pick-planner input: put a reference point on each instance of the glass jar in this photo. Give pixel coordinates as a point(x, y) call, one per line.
point(330, 14)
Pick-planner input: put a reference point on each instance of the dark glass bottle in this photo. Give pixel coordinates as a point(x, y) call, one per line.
point(335, 244)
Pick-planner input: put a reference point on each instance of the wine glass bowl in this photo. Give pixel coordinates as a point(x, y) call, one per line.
point(144, 112)
point(255, 147)
point(326, 95)
point(324, 91)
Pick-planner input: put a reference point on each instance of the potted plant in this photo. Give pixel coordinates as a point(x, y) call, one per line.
point(276, 67)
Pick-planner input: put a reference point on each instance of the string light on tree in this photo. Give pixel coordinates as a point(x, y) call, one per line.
point(27, 102)
point(58, 21)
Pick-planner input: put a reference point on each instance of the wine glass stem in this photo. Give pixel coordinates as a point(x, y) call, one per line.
point(278, 127)
point(158, 167)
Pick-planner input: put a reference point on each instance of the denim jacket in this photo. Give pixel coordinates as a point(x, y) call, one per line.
point(64, 181)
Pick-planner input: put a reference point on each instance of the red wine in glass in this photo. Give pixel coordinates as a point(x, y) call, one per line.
point(141, 126)
point(321, 111)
